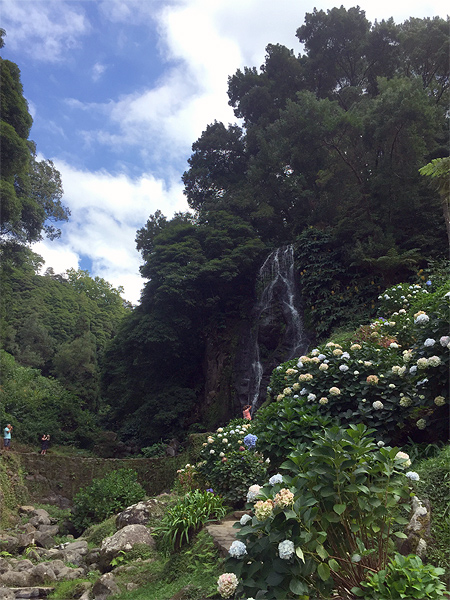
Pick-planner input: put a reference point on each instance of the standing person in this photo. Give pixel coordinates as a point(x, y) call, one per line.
point(45, 440)
point(7, 437)
point(246, 412)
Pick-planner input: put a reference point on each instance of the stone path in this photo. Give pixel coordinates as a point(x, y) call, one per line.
point(223, 533)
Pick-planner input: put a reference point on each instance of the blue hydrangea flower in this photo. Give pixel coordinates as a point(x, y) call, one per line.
point(412, 475)
point(250, 440)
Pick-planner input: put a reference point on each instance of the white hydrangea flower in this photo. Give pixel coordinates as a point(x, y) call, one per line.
point(253, 491)
point(343, 368)
point(429, 342)
point(412, 475)
point(237, 549)
point(286, 549)
point(377, 405)
point(444, 340)
point(311, 397)
point(245, 519)
point(278, 478)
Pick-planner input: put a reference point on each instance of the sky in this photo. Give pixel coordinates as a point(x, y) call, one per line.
point(119, 90)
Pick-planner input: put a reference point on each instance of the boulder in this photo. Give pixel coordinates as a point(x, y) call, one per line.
point(9, 543)
point(140, 513)
point(43, 572)
point(4, 565)
point(39, 517)
point(16, 579)
point(6, 594)
point(104, 587)
point(49, 529)
point(44, 540)
point(123, 541)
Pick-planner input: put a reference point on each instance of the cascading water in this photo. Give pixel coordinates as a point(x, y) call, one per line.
point(277, 325)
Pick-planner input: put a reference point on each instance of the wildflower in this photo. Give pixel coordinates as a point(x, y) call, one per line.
point(253, 491)
point(355, 347)
point(323, 400)
point(392, 386)
point(210, 440)
point(305, 359)
point(343, 368)
point(263, 509)
point(380, 444)
point(315, 352)
point(287, 391)
point(315, 360)
point(210, 490)
point(428, 282)
point(323, 356)
point(404, 458)
point(245, 519)
point(372, 379)
point(221, 454)
point(345, 355)
point(394, 345)
point(355, 372)
point(276, 479)
point(284, 498)
point(439, 400)
point(280, 397)
point(412, 475)
point(211, 451)
point(434, 361)
point(296, 387)
point(286, 549)
point(422, 363)
point(225, 441)
point(220, 430)
point(405, 401)
point(335, 391)
point(377, 405)
point(303, 392)
point(237, 549)
point(444, 340)
point(421, 424)
point(429, 342)
point(299, 364)
point(356, 558)
point(337, 352)
point(323, 367)
point(227, 584)
point(311, 397)
point(224, 459)
point(407, 354)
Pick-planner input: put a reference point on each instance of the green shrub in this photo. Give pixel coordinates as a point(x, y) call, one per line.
point(228, 464)
point(158, 449)
point(95, 534)
point(403, 577)
point(187, 516)
point(281, 426)
point(325, 524)
point(104, 497)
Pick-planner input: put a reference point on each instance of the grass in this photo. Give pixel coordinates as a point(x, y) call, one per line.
point(195, 569)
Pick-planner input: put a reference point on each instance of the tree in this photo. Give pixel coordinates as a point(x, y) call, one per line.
point(30, 190)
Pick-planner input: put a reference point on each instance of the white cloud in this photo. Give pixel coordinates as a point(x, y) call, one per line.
point(44, 30)
point(106, 212)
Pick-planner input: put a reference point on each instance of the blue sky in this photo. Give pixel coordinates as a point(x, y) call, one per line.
point(120, 89)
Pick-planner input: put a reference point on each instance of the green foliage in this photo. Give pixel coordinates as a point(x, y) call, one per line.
point(404, 577)
point(97, 532)
point(329, 521)
point(333, 293)
point(106, 496)
point(158, 449)
point(280, 426)
point(187, 516)
point(35, 405)
point(13, 491)
point(228, 465)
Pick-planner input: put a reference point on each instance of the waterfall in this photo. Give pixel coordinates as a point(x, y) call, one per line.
point(277, 307)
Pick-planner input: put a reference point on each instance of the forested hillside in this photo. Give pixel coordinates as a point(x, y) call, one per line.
point(326, 158)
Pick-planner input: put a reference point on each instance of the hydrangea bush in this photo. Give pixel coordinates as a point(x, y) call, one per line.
point(394, 376)
point(230, 461)
point(326, 524)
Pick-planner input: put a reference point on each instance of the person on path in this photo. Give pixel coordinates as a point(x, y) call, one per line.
point(45, 441)
point(7, 437)
point(246, 412)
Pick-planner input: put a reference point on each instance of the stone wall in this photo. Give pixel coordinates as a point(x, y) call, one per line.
point(62, 476)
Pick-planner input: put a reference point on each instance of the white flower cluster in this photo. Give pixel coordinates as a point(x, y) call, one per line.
point(227, 584)
point(404, 458)
point(253, 491)
point(286, 549)
point(237, 549)
point(245, 519)
point(412, 475)
point(278, 478)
